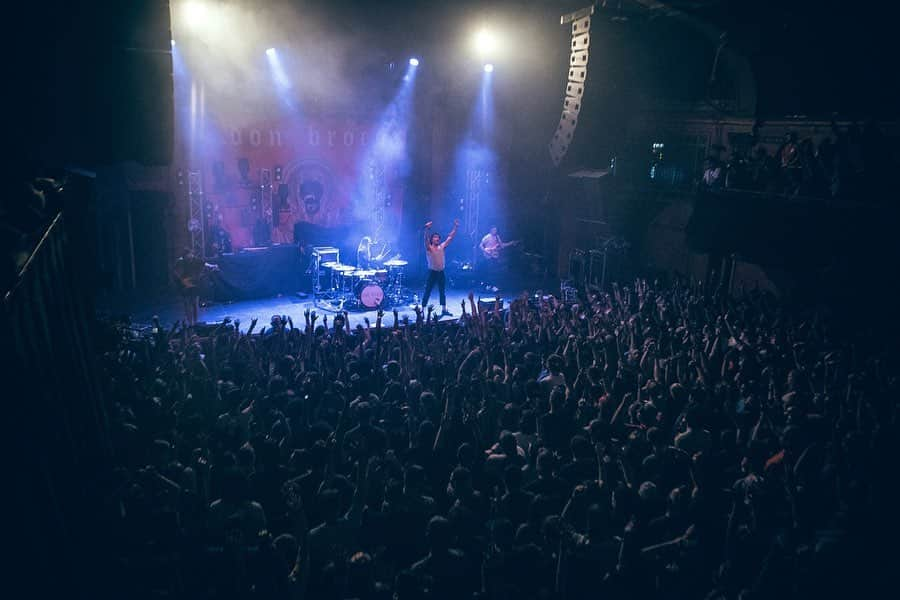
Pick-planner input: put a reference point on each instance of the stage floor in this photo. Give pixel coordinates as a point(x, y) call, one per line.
point(170, 310)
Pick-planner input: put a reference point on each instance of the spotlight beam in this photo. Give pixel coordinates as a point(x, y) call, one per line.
point(278, 72)
point(387, 151)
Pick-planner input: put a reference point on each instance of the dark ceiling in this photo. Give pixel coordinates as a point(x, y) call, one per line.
point(810, 57)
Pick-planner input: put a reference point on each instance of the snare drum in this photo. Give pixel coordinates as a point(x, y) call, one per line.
point(369, 293)
point(341, 276)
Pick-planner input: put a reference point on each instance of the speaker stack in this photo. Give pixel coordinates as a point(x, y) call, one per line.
point(578, 63)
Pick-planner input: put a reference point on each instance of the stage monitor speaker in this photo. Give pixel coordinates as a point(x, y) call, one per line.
point(489, 304)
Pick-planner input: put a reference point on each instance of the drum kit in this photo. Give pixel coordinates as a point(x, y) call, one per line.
point(344, 287)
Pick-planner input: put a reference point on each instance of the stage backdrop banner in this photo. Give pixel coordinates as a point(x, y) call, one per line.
point(319, 172)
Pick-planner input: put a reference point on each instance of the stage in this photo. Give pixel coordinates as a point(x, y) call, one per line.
point(169, 310)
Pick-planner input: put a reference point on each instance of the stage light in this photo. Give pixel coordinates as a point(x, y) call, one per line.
point(414, 62)
point(173, 43)
point(485, 42)
point(270, 51)
point(194, 13)
point(488, 68)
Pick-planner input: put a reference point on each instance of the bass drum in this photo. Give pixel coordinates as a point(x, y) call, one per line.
point(369, 293)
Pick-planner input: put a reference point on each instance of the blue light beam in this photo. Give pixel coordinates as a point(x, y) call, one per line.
point(277, 69)
point(387, 151)
point(474, 177)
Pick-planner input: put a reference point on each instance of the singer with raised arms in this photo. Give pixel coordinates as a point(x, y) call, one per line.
point(434, 255)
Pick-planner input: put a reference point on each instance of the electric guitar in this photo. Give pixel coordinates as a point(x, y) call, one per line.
point(194, 280)
point(495, 252)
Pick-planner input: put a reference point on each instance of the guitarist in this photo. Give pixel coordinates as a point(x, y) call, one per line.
point(492, 246)
point(494, 263)
point(190, 272)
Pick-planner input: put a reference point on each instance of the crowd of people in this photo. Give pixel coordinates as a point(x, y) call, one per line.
point(661, 441)
point(852, 162)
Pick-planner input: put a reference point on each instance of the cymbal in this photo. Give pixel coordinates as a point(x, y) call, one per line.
point(396, 263)
point(330, 264)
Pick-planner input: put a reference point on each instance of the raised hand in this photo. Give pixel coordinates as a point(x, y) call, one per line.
point(428, 225)
point(455, 222)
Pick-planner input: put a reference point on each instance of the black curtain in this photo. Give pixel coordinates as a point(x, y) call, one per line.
point(57, 429)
